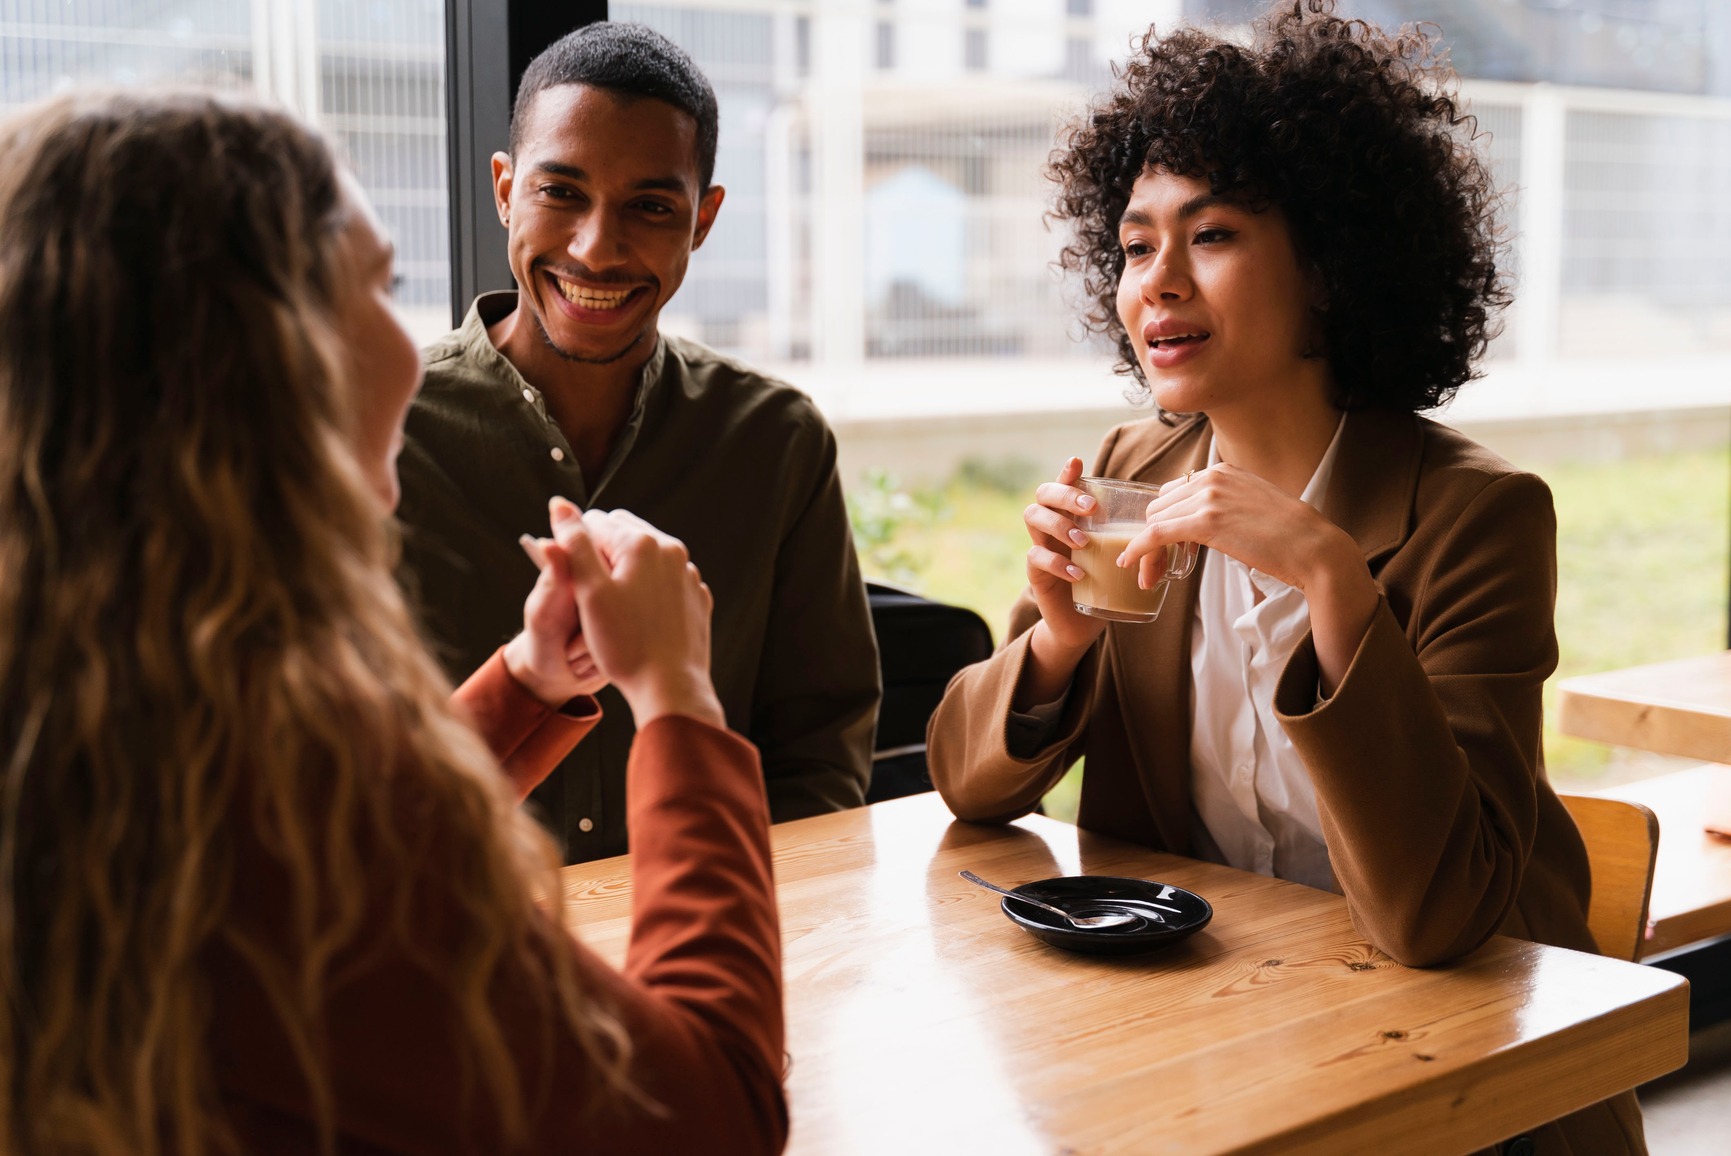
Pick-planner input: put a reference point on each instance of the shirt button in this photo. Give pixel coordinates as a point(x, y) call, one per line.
point(558, 454)
point(585, 825)
point(528, 395)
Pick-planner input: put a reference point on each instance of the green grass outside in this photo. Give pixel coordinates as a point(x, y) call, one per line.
point(1642, 549)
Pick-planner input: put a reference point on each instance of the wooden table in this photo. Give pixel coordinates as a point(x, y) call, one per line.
point(1692, 878)
point(1673, 708)
point(920, 1020)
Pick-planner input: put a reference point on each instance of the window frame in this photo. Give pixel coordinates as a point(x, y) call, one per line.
point(488, 45)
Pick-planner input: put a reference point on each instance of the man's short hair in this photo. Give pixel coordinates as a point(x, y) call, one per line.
point(631, 61)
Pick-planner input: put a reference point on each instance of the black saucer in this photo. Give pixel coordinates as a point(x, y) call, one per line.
point(1080, 895)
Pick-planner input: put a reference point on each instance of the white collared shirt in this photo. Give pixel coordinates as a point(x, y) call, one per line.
point(1247, 783)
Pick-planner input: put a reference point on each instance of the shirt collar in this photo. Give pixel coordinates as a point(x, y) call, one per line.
point(489, 308)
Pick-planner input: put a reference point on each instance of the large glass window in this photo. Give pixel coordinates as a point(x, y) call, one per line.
point(371, 74)
point(883, 166)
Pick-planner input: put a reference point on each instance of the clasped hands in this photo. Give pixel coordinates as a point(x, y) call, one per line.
point(617, 601)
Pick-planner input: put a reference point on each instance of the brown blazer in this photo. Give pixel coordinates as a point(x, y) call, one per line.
point(1441, 827)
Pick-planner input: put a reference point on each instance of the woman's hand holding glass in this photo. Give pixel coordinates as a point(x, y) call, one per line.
point(1063, 634)
point(1051, 571)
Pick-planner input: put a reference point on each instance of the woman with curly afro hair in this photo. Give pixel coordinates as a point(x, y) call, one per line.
point(1292, 244)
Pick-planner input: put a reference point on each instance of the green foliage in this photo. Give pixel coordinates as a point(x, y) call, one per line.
point(963, 544)
point(1015, 476)
point(881, 512)
point(1641, 574)
point(1065, 798)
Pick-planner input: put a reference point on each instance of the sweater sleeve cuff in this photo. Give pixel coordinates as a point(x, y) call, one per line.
point(527, 736)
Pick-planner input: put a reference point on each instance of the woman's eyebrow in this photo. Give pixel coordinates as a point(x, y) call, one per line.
point(1200, 203)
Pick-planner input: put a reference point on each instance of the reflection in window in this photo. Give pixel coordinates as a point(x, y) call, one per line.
point(371, 75)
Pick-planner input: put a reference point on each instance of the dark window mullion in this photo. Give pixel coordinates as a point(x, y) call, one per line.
point(488, 44)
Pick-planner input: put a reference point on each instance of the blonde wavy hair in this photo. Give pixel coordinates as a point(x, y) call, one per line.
point(202, 650)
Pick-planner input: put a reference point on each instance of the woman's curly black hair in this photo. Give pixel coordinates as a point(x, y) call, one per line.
point(1352, 133)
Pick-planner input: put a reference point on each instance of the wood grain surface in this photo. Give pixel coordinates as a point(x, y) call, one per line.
point(1673, 708)
point(1692, 878)
point(920, 1020)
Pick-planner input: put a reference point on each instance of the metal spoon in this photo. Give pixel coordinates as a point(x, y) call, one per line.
point(1089, 921)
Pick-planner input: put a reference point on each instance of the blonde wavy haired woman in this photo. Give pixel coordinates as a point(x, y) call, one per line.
point(263, 884)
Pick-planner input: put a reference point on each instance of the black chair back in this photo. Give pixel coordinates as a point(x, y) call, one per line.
point(921, 645)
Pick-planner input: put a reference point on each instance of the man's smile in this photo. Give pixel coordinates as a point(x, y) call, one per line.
point(602, 303)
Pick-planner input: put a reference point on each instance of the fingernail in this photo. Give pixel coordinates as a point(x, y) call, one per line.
point(1120, 559)
point(1074, 571)
point(1078, 537)
point(1084, 503)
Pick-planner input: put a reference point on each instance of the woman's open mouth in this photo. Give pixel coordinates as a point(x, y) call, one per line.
point(1172, 349)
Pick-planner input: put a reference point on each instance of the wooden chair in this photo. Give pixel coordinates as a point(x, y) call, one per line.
point(1622, 844)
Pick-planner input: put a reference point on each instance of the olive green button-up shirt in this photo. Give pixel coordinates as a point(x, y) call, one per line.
point(739, 467)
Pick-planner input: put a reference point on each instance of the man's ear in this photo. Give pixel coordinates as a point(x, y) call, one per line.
point(706, 210)
point(502, 178)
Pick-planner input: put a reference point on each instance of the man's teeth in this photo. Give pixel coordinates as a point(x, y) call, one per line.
point(593, 298)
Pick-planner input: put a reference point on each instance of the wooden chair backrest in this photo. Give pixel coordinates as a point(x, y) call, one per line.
point(1622, 842)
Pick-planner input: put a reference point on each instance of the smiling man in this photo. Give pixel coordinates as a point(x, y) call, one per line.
point(566, 387)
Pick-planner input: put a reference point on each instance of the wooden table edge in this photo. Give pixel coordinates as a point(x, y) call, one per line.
point(1474, 1109)
point(1686, 927)
point(1580, 715)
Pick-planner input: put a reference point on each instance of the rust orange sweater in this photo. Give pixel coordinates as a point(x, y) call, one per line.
point(700, 994)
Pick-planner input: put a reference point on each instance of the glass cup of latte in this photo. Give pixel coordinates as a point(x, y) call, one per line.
point(1107, 590)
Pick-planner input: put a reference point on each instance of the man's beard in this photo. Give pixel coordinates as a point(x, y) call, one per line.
point(605, 359)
